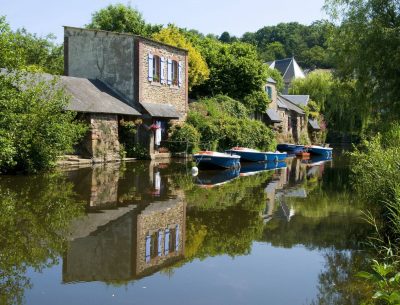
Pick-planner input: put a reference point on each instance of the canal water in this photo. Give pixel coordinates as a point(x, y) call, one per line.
point(150, 233)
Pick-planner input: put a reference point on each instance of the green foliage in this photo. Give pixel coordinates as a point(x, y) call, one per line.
point(222, 130)
point(35, 128)
point(122, 18)
point(22, 50)
point(276, 76)
point(184, 138)
point(257, 101)
point(35, 215)
point(307, 43)
point(366, 48)
point(235, 69)
point(198, 70)
point(386, 281)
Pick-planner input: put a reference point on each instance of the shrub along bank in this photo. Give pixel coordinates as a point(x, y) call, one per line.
point(220, 123)
point(34, 128)
point(376, 169)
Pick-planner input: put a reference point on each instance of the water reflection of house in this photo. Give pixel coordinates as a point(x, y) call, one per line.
point(127, 243)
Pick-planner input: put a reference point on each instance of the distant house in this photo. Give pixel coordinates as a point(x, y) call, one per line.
point(145, 78)
point(290, 70)
point(287, 118)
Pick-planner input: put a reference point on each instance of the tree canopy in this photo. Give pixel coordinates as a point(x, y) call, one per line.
point(367, 48)
point(121, 18)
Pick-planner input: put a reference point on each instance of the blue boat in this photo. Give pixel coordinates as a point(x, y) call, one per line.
point(320, 150)
point(253, 155)
point(212, 178)
point(290, 148)
point(251, 168)
point(216, 160)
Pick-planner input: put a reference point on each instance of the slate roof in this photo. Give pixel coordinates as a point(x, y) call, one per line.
point(300, 100)
point(314, 124)
point(93, 96)
point(161, 110)
point(88, 96)
point(273, 115)
point(288, 67)
point(289, 105)
point(271, 80)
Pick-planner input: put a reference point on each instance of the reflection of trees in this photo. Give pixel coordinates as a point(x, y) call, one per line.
point(337, 283)
point(35, 212)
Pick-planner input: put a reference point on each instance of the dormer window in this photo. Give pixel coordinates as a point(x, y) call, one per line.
point(156, 68)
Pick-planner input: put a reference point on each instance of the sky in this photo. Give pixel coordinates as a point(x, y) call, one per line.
point(208, 16)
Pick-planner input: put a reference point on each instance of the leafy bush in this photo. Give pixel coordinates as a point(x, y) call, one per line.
point(34, 127)
point(224, 123)
point(184, 138)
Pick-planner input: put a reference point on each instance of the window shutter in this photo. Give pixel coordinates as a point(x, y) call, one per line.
point(160, 236)
point(166, 242)
point(148, 245)
point(169, 72)
point(177, 238)
point(162, 70)
point(150, 67)
point(180, 74)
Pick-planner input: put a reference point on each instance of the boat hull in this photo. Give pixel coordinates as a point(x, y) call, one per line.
point(290, 148)
point(321, 151)
point(216, 162)
point(258, 156)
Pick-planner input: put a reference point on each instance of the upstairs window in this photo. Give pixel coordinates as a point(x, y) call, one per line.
point(268, 90)
point(156, 68)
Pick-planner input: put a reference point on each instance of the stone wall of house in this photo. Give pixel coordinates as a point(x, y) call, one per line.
point(102, 142)
point(158, 217)
point(155, 92)
point(101, 55)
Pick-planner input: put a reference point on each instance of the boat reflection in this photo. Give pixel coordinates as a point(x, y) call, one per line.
point(213, 178)
point(252, 168)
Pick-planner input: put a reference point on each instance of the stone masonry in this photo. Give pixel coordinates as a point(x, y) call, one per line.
point(155, 92)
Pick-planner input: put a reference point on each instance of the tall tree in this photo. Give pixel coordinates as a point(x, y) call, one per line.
point(122, 18)
point(367, 48)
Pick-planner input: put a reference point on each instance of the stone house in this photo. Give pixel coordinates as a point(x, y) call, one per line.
point(284, 116)
point(150, 78)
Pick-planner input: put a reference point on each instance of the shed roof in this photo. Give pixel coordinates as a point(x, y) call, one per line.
point(161, 110)
point(93, 96)
point(314, 124)
point(289, 105)
point(273, 115)
point(300, 100)
point(89, 96)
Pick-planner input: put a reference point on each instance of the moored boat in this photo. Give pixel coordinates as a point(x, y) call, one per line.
point(249, 169)
point(215, 160)
point(320, 150)
point(290, 148)
point(254, 155)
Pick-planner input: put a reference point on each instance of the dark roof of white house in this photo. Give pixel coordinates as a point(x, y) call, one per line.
point(288, 67)
point(161, 110)
point(273, 115)
point(271, 80)
point(300, 100)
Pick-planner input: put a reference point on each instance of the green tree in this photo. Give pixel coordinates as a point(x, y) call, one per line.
point(23, 50)
point(235, 69)
point(34, 126)
point(121, 18)
point(272, 51)
point(198, 69)
point(366, 48)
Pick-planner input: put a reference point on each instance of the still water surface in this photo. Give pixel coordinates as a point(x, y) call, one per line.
point(149, 233)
